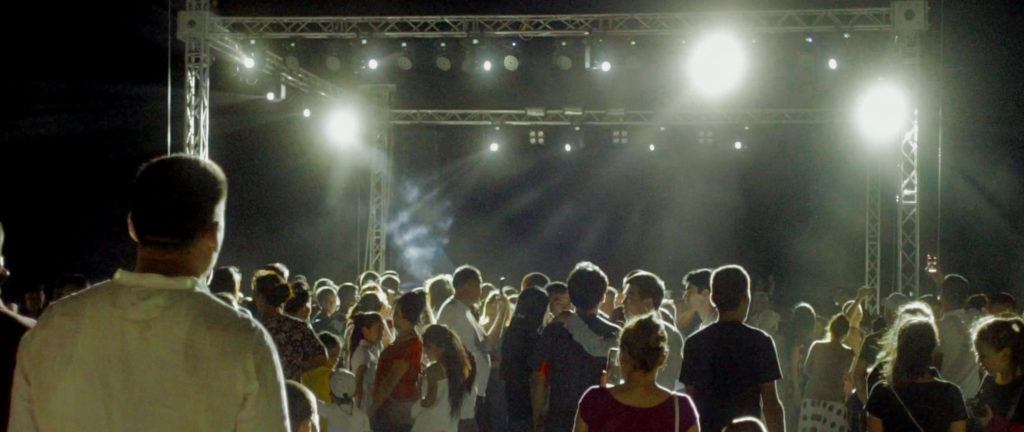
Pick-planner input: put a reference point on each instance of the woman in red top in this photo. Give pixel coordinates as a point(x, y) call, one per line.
point(399, 366)
point(639, 403)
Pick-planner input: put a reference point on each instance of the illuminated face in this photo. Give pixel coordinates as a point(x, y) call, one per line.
point(634, 305)
point(559, 302)
point(374, 333)
point(328, 303)
point(694, 297)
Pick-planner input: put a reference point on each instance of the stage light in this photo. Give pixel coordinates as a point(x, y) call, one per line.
point(306, 113)
point(291, 61)
point(271, 96)
point(404, 62)
point(494, 146)
point(511, 62)
point(562, 58)
point(882, 111)
point(809, 39)
point(738, 145)
point(333, 62)
point(846, 35)
point(443, 62)
point(606, 66)
point(568, 148)
point(487, 65)
point(651, 147)
point(248, 62)
point(620, 137)
point(536, 137)
point(343, 128)
point(833, 64)
point(717, 64)
point(372, 64)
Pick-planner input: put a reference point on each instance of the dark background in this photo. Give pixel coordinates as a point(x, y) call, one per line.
point(87, 93)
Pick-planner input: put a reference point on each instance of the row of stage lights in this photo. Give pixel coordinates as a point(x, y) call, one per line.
point(716, 66)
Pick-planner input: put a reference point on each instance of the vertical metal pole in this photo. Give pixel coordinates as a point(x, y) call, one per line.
point(873, 237)
point(379, 97)
point(193, 28)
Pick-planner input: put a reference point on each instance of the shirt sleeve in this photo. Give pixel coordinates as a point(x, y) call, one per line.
point(958, 408)
point(543, 349)
point(359, 358)
point(768, 358)
point(878, 401)
point(263, 407)
point(687, 372)
point(593, 343)
point(21, 418)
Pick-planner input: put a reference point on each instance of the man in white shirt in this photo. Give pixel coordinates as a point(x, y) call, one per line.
point(152, 349)
point(956, 360)
point(460, 315)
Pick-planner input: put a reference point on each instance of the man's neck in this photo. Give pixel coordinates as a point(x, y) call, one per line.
point(705, 311)
point(587, 313)
point(731, 316)
point(465, 300)
point(166, 264)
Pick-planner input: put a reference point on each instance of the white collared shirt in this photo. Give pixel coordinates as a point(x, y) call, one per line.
point(461, 321)
point(147, 352)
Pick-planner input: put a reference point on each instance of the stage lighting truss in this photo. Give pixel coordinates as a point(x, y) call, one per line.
point(563, 55)
point(536, 137)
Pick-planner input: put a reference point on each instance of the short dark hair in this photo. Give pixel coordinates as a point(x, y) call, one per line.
point(301, 404)
point(534, 279)
point(648, 286)
point(174, 198)
point(330, 340)
point(300, 296)
point(226, 279)
point(1003, 299)
point(587, 283)
point(464, 274)
point(347, 289)
point(556, 287)
point(729, 284)
point(271, 287)
point(367, 276)
point(955, 289)
point(279, 268)
point(700, 278)
point(75, 279)
point(390, 282)
point(977, 302)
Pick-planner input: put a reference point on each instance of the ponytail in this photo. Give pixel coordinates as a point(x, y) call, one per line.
point(458, 366)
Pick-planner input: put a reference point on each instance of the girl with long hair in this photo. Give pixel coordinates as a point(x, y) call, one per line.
point(450, 378)
point(364, 353)
point(823, 408)
point(517, 346)
point(910, 398)
point(999, 344)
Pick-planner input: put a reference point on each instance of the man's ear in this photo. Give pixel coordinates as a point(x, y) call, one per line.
point(210, 236)
point(131, 229)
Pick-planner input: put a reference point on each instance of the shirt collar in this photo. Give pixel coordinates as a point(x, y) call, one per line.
point(157, 281)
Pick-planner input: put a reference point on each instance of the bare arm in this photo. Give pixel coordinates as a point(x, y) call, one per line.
point(432, 377)
point(538, 394)
point(579, 425)
point(387, 385)
point(860, 380)
point(360, 376)
point(493, 334)
point(875, 424)
point(774, 416)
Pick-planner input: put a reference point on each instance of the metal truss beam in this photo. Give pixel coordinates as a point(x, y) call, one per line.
point(650, 24)
point(873, 235)
point(193, 30)
point(908, 222)
point(379, 97)
point(614, 117)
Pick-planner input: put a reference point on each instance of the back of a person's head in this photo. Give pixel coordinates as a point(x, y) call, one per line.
point(299, 299)
point(325, 293)
point(271, 288)
point(175, 199)
point(330, 340)
point(646, 285)
point(554, 288)
point(226, 279)
point(745, 424)
point(978, 302)
point(911, 357)
point(838, 326)
point(322, 282)
point(530, 308)
point(1003, 300)
point(347, 290)
point(534, 279)
point(465, 274)
point(439, 289)
point(279, 268)
point(301, 406)
point(729, 286)
point(368, 302)
point(645, 341)
point(390, 283)
point(587, 283)
point(955, 289)
point(802, 318)
point(700, 278)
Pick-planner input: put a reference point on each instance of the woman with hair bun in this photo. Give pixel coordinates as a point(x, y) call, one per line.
point(999, 344)
point(639, 403)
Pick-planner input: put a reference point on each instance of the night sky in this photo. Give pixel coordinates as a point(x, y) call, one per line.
point(87, 87)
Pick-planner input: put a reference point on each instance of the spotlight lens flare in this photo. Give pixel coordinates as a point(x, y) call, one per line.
point(270, 96)
point(833, 64)
point(717, 64)
point(494, 147)
point(882, 111)
point(306, 113)
point(568, 148)
point(651, 147)
point(248, 62)
point(738, 145)
point(487, 65)
point(343, 128)
point(606, 66)
point(372, 64)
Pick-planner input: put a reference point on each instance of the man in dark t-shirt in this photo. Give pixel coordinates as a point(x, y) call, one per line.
point(571, 369)
point(730, 368)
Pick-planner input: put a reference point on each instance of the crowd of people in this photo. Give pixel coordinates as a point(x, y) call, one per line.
point(180, 344)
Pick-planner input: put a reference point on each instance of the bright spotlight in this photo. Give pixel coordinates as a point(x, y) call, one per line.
point(372, 64)
point(717, 64)
point(306, 113)
point(494, 146)
point(833, 64)
point(343, 128)
point(882, 111)
point(651, 147)
point(271, 96)
point(487, 65)
point(738, 145)
point(511, 62)
point(248, 62)
point(606, 66)
point(568, 147)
